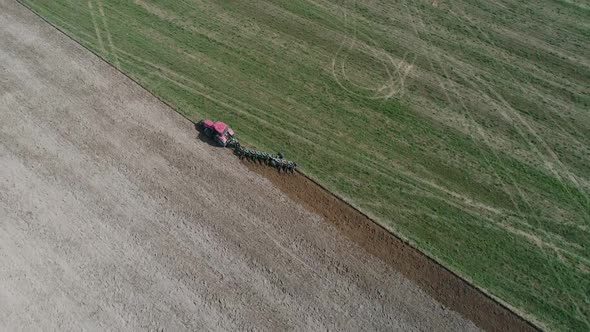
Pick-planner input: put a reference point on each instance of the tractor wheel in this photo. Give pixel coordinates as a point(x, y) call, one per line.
point(208, 132)
point(219, 141)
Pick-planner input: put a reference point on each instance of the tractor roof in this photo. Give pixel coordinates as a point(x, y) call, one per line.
point(219, 127)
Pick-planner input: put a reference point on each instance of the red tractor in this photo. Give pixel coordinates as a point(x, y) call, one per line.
point(223, 135)
point(218, 131)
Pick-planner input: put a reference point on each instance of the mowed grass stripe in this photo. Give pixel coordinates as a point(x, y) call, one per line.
point(461, 126)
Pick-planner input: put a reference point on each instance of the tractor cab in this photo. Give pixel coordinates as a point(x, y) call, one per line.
point(218, 131)
point(220, 128)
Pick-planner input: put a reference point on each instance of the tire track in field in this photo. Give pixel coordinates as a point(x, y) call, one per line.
point(416, 178)
point(480, 131)
point(389, 89)
point(557, 104)
point(556, 250)
point(96, 30)
point(468, 115)
point(534, 147)
point(529, 126)
point(543, 21)
point(556, 174)
point(526, 200)
point(531, 131)
point(392, 87)
point(538, 225)
point(572, 177)
point(459, 201)
point(108, 31)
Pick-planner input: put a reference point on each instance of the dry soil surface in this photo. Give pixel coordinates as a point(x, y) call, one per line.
point(114, 216)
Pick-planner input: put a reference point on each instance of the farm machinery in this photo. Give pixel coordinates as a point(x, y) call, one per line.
point(224, 136)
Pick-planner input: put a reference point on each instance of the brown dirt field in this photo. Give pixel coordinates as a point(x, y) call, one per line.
point(114, 216)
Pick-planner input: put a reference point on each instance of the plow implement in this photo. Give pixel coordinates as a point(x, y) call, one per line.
point(224, 136)
point(274, 160)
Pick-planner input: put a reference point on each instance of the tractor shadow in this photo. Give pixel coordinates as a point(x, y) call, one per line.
point(203, 138)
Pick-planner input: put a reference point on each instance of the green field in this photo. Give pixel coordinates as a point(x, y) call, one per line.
point(462, 126)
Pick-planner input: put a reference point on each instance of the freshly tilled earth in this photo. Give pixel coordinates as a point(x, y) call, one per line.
point(113, 215)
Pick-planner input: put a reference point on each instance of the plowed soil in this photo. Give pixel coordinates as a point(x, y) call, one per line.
point(114, 216)
point(433, 278)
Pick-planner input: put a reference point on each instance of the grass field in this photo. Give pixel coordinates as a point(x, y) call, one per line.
point(463, 126)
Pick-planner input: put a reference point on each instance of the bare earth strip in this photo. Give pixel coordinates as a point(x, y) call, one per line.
point(114, 216)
